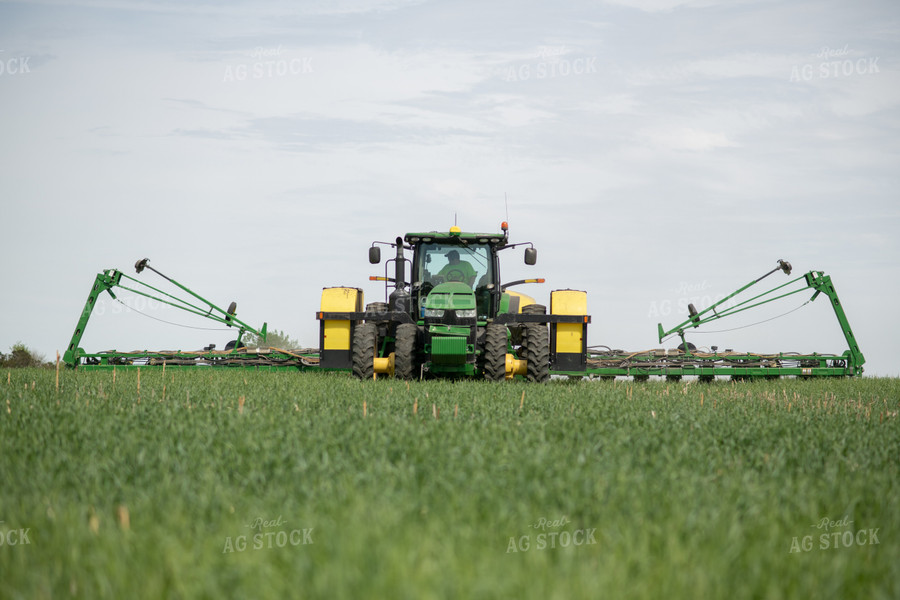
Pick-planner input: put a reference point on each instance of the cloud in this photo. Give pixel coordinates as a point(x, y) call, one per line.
point(686, 138)
point(271, 8)
point(208, 134)
point(203, 106)
point(653, 6)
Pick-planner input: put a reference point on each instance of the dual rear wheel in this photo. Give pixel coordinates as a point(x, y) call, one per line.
point(535, 348)
point(537, 345)
point(365, 341)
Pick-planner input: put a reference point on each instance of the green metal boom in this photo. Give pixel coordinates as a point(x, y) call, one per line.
point(815, 280)
point(112, 278)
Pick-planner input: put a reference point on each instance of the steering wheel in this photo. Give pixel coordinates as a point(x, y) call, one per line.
point(455, 275)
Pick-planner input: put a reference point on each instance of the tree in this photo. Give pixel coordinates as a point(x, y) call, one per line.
point(20, 356)
point(274, 339)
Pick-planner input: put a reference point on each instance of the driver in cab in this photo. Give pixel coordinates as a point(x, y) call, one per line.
point(457, 270)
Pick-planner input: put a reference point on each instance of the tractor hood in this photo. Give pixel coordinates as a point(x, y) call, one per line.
point(450, 296)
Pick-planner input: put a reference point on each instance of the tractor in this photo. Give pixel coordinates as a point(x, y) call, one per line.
point(452, 316)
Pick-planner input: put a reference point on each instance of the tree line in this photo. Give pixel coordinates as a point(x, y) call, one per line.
point(21, 356)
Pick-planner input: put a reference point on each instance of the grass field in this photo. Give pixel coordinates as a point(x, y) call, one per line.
point(345, 489)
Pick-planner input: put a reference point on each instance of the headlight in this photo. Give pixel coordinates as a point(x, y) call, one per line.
point(466, 314)
point(434, 313)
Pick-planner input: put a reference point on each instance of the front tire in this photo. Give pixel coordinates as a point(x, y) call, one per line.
point(537, 347)
point(495, 352)
point(406, 365)
point(364, 350)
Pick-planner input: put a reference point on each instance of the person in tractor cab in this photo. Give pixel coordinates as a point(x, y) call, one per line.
point(457, 270)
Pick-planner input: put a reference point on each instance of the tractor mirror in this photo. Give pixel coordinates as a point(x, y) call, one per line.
point(374, 255)
point(530, 256)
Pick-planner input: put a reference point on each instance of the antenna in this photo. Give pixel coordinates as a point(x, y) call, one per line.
point(454, 220)
point(506, 203)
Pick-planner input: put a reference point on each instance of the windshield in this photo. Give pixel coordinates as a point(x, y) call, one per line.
point(440, 263)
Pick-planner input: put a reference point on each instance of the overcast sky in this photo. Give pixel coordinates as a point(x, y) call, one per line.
point(657, 152)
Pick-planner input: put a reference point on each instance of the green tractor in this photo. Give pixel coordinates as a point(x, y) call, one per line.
point(453, 317)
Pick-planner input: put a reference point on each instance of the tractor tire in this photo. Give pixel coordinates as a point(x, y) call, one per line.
point(495, 352)
point(534, 309)
point(518, 333)
point(406, 363)
point(537, 346)
point(364, 350)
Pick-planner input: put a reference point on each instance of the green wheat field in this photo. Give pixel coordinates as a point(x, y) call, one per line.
point(244, 484)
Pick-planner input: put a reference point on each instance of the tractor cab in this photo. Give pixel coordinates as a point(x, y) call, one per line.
point(450, 275)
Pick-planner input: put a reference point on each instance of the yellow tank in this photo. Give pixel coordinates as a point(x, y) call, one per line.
point(568, 340)
point(336, 335)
